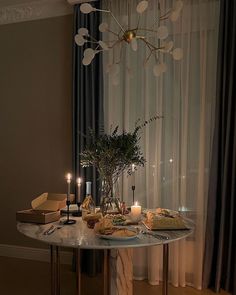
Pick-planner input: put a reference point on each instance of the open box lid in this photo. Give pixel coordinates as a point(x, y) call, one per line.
point(50, 202)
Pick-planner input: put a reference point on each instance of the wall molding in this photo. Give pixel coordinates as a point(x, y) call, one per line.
point(73, 2)
point(37, 254)
point(33, 10)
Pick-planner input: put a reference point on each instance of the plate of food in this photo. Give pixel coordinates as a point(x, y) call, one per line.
point(118, 234)
point(116, 219)
point(164, 219)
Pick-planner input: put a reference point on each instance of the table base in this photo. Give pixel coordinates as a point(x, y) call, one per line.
point(117, 271)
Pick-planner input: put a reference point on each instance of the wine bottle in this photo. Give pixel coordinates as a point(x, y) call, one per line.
point(89, 203)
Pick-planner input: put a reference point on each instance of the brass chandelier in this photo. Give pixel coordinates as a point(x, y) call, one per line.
point(133, 36)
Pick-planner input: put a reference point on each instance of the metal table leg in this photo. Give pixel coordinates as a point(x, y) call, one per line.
point(165, 269)
point(78, 271)
point(106, 273)
point(55, 270)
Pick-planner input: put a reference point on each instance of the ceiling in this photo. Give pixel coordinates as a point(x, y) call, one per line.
point(4, 3)
point(17, 2)
point(12, 11)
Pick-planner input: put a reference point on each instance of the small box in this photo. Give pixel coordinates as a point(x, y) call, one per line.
point(45, 208)
point(37, 216)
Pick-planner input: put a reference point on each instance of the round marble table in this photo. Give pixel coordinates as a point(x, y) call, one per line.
point(79, 236)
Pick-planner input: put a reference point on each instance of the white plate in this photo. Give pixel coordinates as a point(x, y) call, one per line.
point(117, 238)
point(184, 227)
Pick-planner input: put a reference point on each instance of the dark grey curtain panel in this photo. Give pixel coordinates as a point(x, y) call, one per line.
point(220, 246)
point(87, 97)
point(87, 114)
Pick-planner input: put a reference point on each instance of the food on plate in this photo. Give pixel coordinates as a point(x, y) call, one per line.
point(91, 223)
point(104, 226)
point(164, 219)
point(117, 219)
point(165, 212)
point(92, 216)
point(123, 232)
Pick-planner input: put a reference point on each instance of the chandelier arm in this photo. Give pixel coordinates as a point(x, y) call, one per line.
point(147, 30)
point(150, 44)
point(89, 41)
point(92, 38)
point(110, 31)
point(109, 11)
point(149, 47)
point(109, 41)
point(103, 10)
point(117, 22)
point(100, 50)
point(165, 14)
point(113, 45)
point(137, 27)
point(147, 59)
point(161, 19)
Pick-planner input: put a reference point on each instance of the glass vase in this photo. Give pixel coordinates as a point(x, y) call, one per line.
point(110, 202)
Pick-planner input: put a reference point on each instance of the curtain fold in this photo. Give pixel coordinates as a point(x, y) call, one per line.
point(87, 98)
point(87, 114)
point(220, 247)
point(177, 147)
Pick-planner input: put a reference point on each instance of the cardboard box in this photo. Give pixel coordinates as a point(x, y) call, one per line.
point(45, 208)
point(37, 216)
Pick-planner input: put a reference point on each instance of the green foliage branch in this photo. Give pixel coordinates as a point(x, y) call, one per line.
point(113, 154)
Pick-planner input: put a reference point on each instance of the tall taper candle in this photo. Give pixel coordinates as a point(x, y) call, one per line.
point(133, 175)
point(79, 180)
point(68, 179)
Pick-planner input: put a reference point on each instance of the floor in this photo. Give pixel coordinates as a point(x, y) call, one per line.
point(26, 277)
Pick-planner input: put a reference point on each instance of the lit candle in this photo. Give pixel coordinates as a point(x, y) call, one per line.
point(68, 180)
point(79, 180)
point(133, 175)
point(136, 211)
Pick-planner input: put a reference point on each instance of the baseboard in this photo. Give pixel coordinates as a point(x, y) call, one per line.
point(36, 254)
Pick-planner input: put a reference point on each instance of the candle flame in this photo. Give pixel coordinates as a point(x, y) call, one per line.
point(68, 177)
point(79, 180)
point(133, 167)
point(136, 203)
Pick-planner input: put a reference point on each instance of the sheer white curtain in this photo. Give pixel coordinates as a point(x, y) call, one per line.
point(177, 147)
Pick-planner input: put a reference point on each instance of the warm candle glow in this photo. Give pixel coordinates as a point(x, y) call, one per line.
point(136, 211)
point(133, 167)
point(79, 181)
point(68, 177)
point(133, 175)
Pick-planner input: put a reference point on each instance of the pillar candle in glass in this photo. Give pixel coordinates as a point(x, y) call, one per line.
point(136, 211)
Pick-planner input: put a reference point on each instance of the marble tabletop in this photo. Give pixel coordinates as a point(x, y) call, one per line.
point(80, 236)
